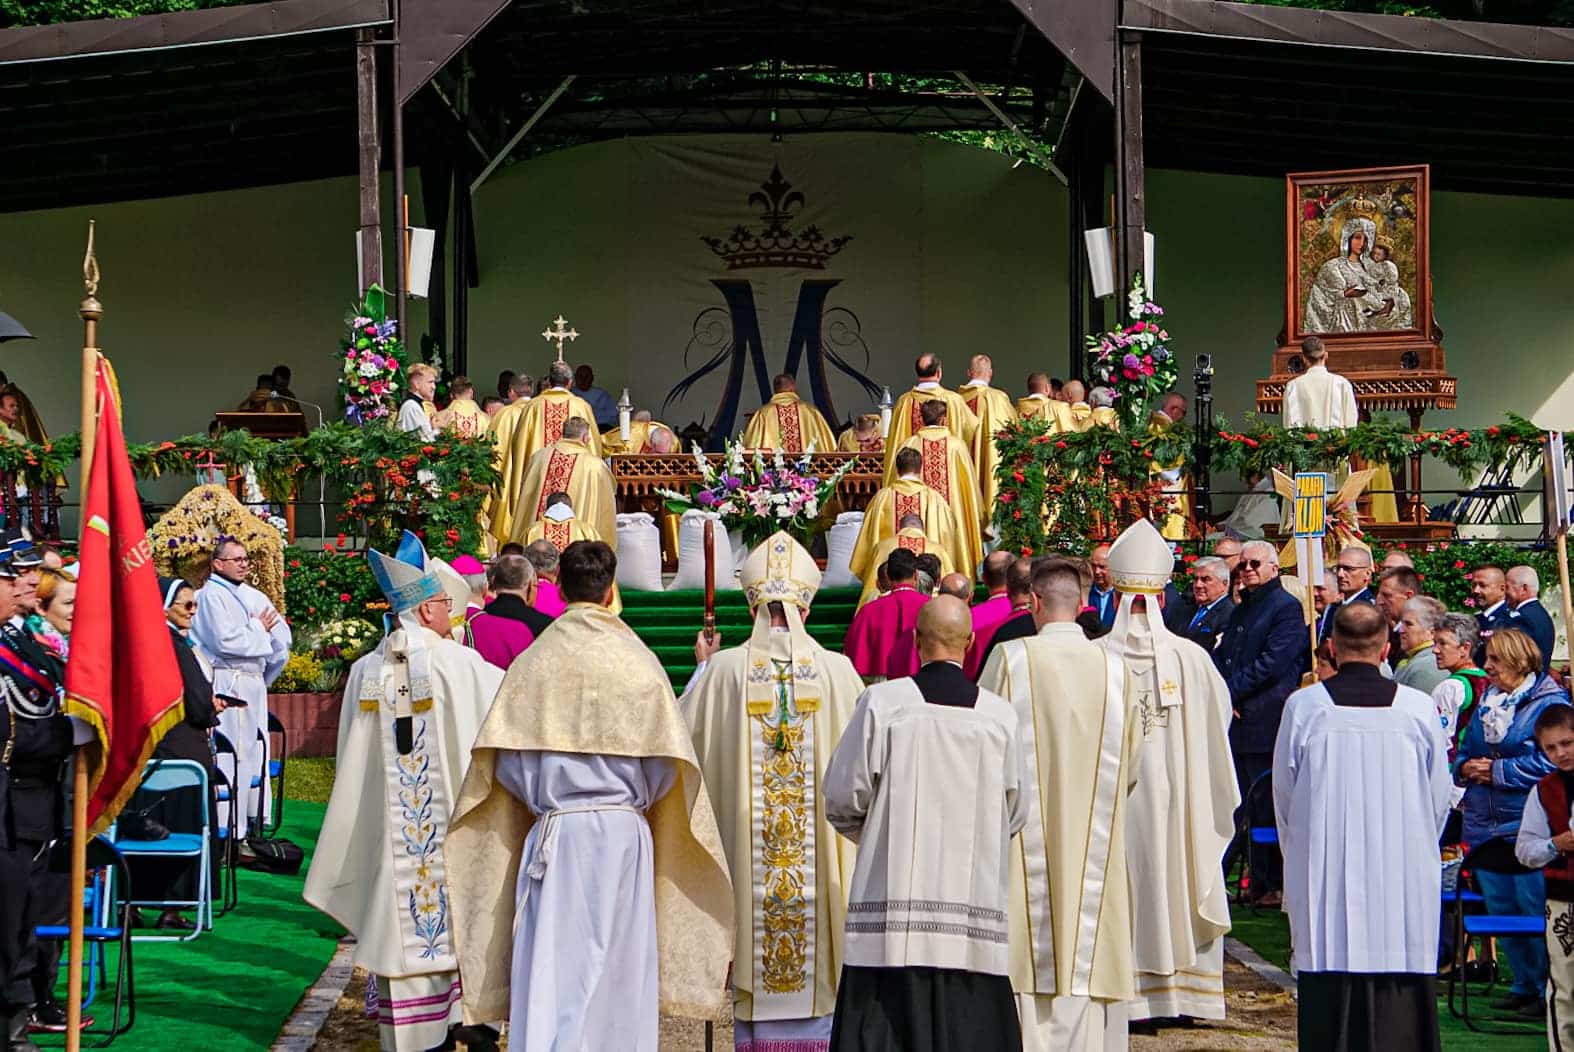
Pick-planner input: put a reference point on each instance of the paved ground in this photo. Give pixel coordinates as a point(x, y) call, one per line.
point(1260, 1018)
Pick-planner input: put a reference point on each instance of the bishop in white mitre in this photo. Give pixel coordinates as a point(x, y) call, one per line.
point(1069, 906)
point(1179, 818)
point(412, 709)
point(766, 716)
point(237, 627)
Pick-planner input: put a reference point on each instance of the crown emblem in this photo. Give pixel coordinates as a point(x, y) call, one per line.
point(1363, 207)
point(776, 245)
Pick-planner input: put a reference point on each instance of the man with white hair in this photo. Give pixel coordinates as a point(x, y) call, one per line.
point(1262, 655)
point(1180, 815)
point(1202, 616)
point(412, 709)
point(1418, 619)
point(1522, 589)
point(766, 716)
point(1397, 558)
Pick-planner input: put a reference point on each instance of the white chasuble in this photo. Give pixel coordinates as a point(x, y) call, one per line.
point(763, 744)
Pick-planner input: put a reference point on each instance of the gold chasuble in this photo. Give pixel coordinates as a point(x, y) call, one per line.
point(563, 532)
point(568, 467)
point(1070, 905)
point(464, 416)
point(539, 424)
point(915, 541)
point(766, 717)
point(994, 411)
point(1177, 484)
point(639, 438)
point(789, 424)
point(905, 419)
point(498, 513)
point(1080, 417)
point(589, 686)
point(948, 470)
point(884, 514)
point(1040, 407)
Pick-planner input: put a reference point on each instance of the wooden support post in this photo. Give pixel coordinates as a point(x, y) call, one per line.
point(401, 206)
point(370, 159)
point(1130, 209)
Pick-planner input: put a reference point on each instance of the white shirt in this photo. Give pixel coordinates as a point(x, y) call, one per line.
point(1534, 847)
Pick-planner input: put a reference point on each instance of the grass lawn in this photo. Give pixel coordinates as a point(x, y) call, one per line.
point(308, 778)
point(1268, 932)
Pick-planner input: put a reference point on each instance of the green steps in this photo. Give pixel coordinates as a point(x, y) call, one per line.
point(667, 622)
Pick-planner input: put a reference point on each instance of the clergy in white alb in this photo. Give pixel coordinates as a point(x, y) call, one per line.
point(248, 641)
point(1180, 816)
point(587, 881)
point(1325, 401)
point(766, 716)
point(417, 411)
point(1361, 790)
point(929, 781)
point(1070, 909)
point(411, 710)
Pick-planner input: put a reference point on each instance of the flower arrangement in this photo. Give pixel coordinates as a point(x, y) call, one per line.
point(338, 644)
point(1134, 361)
point(759, 495)
point(373, 361)
point(301, 674)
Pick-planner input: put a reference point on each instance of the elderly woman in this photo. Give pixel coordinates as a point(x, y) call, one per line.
point(1454, 647)
point(156, 878)
point(1499, 763)
point(1417, 667)
point(57, 600)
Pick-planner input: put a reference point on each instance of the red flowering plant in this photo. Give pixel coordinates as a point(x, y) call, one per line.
point(1445, 566)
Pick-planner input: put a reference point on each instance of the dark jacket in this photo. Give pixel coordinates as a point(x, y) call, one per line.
point(1517, 764)
point(1325, 620)
point(36, 771)
point(1533, 620)
point(1261, 656)
point(1500, 618)
point(188, 739)
point(1206, 632)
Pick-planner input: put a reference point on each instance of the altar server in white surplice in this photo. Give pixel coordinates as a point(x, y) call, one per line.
point(588, 885)
point(929, 781)
point(412, 708)
point(1325, 401)
point(1361, 790)
point(1069, 909)
point(766, 716)
point(248, 641)
point(1180, 817)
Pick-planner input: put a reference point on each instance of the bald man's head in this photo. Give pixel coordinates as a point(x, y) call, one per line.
point(980, 367)
point(945, 628)
point(993, 573)
point(1038, 383)
point(910, 521)
point(1073, 391)
point(957, 586)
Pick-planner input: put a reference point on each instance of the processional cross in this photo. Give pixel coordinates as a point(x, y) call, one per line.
point(562, 334)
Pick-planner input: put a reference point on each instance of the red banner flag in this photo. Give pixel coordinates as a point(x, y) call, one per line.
point(121, 677)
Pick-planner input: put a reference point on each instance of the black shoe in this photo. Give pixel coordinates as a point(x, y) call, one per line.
point(1514, 1002)
point(171, 920)
point(16, 1039)
point(50, 1018)
point(1536, 1009)
point(477, 1038)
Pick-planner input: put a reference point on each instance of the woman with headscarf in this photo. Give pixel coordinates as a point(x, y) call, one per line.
point(176, 879)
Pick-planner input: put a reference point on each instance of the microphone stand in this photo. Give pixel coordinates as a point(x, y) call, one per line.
point(322, 477)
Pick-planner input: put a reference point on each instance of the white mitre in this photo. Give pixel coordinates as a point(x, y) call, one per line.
point(780, 571)
point(1140, 560)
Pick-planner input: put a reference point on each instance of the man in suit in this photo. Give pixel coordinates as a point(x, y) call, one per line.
point(1262, 654)
point(1353, 572)
point(1397, 586)
point(1102, 597)
point(1522, 589)
point(1202, 616)
point(1489, 591)
point(1325, 599)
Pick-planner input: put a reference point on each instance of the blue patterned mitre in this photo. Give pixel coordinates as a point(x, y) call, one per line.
point(406, 578)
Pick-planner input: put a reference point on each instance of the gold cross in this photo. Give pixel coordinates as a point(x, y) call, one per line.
point(561, 334)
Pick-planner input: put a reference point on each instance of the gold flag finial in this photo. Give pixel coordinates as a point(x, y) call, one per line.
point(91, 309)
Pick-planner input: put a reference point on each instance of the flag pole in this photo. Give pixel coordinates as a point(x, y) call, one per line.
point(91, 311)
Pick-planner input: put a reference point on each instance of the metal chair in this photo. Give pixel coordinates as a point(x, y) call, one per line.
point(227, 890)
point(276, 772)
point(1470, 926)
point(111, 868)
point(1253, 841)
point(167, 776)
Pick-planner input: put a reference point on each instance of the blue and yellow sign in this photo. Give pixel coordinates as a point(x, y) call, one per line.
point(1311, 503)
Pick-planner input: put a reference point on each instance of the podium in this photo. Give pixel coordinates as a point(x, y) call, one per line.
point(265, 425)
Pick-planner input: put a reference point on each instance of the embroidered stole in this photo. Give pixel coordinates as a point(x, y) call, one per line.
point(937, 466)
point(559, 472)
point(791, 431)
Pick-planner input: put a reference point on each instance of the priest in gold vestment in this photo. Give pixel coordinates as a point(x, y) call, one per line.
point(1173, 477)
point(645, 436)
point(540, 424)
point(766, 716)
point(1180, 817)
point(559, 526)
point(907, 495)
point(994, 410)
point(911, 535)
point(947, 468)
point(569, 466)
point(905, 418)
point(498, 511)
point(864, 436)
point(1070, 908)
point(787, 423)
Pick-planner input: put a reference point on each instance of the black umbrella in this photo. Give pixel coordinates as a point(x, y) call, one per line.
point(11, 329)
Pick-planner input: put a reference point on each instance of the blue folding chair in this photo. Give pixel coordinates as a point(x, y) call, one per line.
point(1469, 926)
point(105, 924)
point(1254, 840)
point(276, 755)
point(166, 776)
point(226, 831)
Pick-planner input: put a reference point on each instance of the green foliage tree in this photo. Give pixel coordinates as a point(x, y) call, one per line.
point(1526, 12)
point(47, 12)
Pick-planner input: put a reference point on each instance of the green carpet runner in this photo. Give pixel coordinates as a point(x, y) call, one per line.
point(667, 622)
